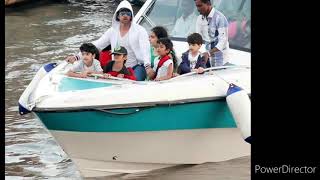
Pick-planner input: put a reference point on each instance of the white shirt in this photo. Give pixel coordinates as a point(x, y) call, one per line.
point(162, 71)
point(202, 28)
point(184, 27)
point(80, 66)
point(131, 59)
point(193, 60)
point(214, 28)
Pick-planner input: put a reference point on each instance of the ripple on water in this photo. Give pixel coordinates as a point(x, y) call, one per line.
point(80, 38)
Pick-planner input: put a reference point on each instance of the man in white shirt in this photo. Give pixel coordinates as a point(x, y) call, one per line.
point(130, 35)
point(185, 25)
point(213, 27)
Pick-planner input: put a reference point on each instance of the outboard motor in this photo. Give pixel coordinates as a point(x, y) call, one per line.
point(240, 107)
point(25, 101)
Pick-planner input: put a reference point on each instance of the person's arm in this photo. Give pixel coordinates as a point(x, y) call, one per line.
point(169, 73)
point(104, 40)
point(222, 35)
point(79, 75)
point(184, 66)
point(175, 30)
point(77, 71)
point(97, 67)
point(151, 73)
point(101, 43)
point(201, 62)
point(144, 46)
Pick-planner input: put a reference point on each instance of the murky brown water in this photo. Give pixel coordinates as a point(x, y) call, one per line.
point(47, 33)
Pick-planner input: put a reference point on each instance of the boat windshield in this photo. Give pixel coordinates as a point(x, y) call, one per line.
point(179, 18)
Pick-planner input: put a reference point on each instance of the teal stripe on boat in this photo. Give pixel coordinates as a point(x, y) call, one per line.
point(69, 84)
point(213, 114)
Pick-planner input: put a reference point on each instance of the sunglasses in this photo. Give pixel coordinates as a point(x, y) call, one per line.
point(127, 13)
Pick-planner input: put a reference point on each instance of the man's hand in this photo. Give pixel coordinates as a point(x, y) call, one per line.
point(206, 56)
point(71, 59)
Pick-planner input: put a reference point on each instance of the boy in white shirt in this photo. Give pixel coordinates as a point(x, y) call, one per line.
point(88, 64)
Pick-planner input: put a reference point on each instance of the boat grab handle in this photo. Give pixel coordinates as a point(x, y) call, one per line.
point(208, 69)
point(118, 113)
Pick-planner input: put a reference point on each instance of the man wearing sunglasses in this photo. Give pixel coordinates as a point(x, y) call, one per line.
point(130, 35)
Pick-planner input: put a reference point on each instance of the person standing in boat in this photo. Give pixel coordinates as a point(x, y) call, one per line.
point(130, 35)
point(117, 67)
point(213, 27)
point(192, 60)
point(164, 64)
point(185, 23)
point(88, 65)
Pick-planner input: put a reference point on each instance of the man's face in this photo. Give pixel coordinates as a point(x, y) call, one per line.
point(202, 7)
point(125, 16)
point(187, 7)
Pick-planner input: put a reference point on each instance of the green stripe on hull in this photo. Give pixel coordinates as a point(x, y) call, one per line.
point(213, 114)
point(69, 84)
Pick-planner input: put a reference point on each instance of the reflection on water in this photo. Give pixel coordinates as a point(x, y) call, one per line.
point(42, 34)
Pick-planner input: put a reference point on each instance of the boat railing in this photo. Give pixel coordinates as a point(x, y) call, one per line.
point(208, 69)
point(96, 76)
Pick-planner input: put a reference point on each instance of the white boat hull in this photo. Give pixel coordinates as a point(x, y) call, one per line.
point(109, 153)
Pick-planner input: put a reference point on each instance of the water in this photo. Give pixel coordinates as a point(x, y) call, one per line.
point(45, 33)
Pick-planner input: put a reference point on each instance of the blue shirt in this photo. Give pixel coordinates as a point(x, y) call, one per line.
point(214, 30)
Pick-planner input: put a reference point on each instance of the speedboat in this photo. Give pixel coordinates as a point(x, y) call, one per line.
point(111, 126)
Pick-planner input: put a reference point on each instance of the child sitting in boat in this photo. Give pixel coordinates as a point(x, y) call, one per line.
point(192, 60)
point(156, 33)
point(88, 65)
point(116, 67)
point(164, 65)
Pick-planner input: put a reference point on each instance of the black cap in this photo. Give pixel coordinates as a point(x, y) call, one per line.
point(120, 50)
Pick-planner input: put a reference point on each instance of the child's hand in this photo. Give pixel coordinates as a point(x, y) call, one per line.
point(175, 74)
point(83, 75)
point(120, 75)
point(158, 79)
point(194, 70)
point(200, 70)
point(106, 76)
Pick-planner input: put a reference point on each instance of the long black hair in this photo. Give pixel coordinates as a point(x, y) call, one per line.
point(169, 45)
point(160, 32)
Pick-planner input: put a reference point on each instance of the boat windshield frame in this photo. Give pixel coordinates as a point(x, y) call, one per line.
point(239, 22)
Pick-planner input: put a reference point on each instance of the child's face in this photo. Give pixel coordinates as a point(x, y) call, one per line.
point(87, 58)
point(162, 49)
point(120, 57)
point(153, 39)
point(193, 48)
